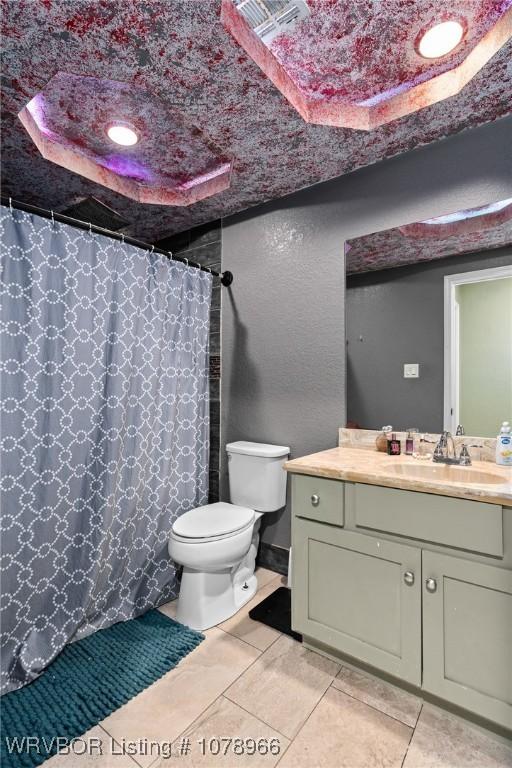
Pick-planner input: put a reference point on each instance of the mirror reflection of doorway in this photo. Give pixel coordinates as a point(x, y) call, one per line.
point(478, 351)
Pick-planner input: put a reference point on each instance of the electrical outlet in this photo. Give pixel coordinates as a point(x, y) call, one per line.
point(411, 371)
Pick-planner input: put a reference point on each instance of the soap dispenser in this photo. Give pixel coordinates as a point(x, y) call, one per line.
point(504, 446)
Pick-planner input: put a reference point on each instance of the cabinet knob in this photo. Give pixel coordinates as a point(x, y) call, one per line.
point(315, 499)
point(430, 585)
point(409, 578)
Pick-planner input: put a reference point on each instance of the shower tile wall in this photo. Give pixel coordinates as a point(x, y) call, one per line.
point(204, 245)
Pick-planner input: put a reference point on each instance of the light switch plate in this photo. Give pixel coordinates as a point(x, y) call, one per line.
point(411, 371)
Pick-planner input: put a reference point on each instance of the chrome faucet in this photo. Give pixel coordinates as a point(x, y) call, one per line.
point(445, 452)
point(442, 449)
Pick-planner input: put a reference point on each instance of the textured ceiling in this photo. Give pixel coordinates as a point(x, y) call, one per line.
point(476, 229)
point(69, 119)
point(179, 50)
point(357, 65)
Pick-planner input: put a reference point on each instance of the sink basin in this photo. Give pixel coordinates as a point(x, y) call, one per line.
point(446, 473)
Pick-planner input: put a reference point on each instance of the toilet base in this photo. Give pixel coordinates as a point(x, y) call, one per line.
point(208, 598)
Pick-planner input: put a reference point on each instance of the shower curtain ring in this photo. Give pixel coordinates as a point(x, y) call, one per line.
point(90, 229)
point(185, 260)
point(170, 255)
point(53, 220)
point(122, 237)
point(10, 203)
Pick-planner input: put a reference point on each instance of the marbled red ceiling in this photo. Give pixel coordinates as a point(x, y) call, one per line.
point(476, 229)
point(357, 64)
point(68, 120)
point(179, 50)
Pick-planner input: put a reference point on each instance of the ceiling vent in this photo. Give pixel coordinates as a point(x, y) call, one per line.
point(269, 18)
point(94, 212)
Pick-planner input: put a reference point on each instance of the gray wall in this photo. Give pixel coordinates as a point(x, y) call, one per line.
point(283, 339)
point(399, 313)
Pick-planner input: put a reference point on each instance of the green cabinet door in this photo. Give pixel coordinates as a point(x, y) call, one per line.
point(467, 635)
point(359, 595)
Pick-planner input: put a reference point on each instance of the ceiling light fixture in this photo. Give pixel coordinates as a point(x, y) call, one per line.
point(121, 133)
point(440, 39)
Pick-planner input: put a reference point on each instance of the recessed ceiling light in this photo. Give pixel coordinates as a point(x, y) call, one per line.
point(120, 133)
point(441, 39)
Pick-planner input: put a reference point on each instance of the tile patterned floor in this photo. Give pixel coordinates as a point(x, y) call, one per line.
point(291, 707)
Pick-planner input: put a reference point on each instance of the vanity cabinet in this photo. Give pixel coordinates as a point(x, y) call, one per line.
point(376, 578)
point(359, 595)
point(467, 634)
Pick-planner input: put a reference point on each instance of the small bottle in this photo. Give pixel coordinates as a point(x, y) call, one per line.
point(504, 446)
point(422, 450)
point(381, 443)
point(394, 448)
point(409, 441)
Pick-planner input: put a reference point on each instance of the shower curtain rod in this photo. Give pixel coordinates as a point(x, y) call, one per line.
point(226, 278)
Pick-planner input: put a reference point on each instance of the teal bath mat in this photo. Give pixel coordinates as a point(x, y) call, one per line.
point(87, 681)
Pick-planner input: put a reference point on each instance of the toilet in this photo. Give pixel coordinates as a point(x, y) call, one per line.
point(217, 544)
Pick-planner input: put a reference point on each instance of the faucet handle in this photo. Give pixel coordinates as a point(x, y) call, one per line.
point(464, 457)
point(460, 430)
point(441, 446)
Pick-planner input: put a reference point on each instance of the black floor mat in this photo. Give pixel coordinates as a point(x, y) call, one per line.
point(276, 611)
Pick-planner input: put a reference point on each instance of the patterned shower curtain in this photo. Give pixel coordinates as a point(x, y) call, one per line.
point(104, 431)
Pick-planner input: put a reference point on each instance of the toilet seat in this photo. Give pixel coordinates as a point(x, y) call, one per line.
point(212, 522)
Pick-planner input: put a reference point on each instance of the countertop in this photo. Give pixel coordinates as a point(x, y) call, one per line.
point(375, 468)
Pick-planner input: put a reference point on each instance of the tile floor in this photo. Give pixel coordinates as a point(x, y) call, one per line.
point(292, 707)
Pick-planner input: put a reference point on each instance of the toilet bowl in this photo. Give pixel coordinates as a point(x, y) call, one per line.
point(218, 577)
point(217, 543)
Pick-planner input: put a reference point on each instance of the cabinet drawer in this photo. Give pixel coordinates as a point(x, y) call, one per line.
point(471, 525)
point(318, 499)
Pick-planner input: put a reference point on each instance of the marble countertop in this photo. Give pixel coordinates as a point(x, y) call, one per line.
point(492, 483)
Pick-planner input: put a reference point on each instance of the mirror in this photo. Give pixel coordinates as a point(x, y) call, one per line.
point(429, 323)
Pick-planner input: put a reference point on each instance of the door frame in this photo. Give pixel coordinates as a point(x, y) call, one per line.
point(451, 336)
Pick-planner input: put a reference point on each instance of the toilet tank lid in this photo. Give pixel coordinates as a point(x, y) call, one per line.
point(258, 449)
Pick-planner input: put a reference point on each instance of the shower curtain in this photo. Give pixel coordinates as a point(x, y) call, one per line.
point(104, 431)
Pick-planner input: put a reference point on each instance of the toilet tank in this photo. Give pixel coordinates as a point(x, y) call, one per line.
point(256, 475)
